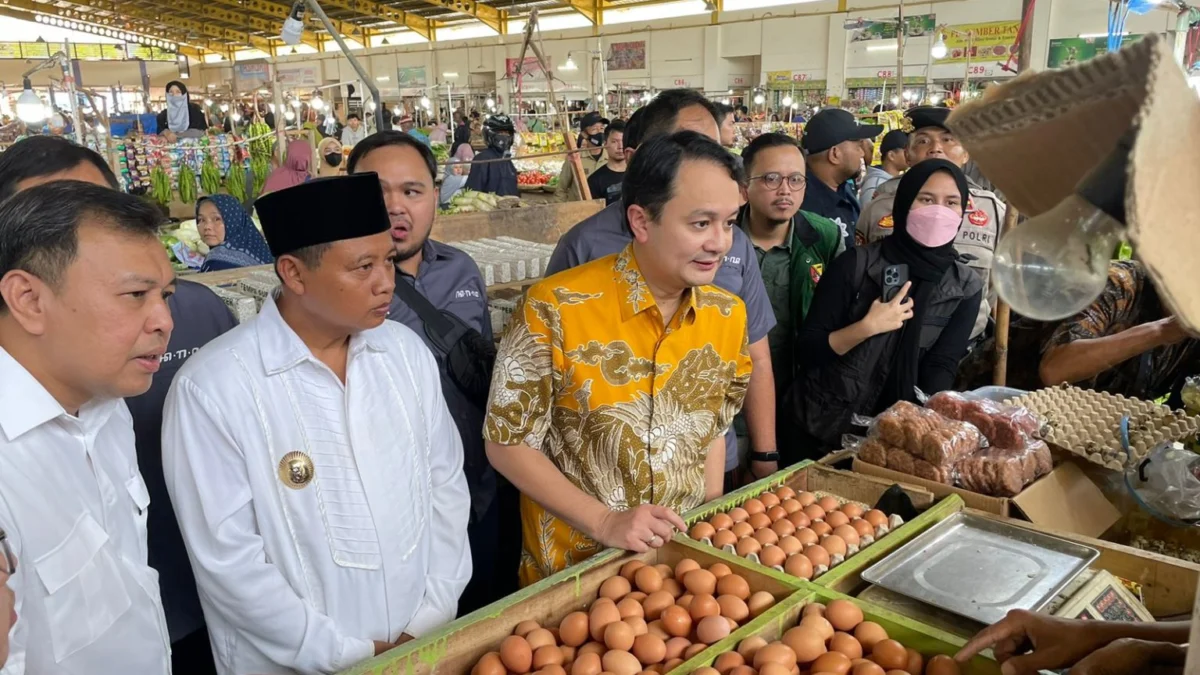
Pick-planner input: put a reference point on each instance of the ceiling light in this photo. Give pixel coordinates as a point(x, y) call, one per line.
point(208, 102)
point(759, 99)
point(939, 49)
point(30, 108)
point(224, 107)
point(787, 101)
point(491, 103)
point(569, 65)
point(1088, 36)
point(295, 103)
point(382, 78)
point(39, 18)
point(889, 47)
point(317, 102)
point(289, 115)
point(236, 116)
point(450, 75)
point(424, 101)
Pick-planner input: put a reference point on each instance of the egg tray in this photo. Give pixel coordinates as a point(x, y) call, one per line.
point(773, 623)
point(458, 646)
point(1088, 423)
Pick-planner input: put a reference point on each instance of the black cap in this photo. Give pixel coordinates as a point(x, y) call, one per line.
point(592, 118)
point(322, 211)
point(832, 126)
point(928, 116)
point(893, 140)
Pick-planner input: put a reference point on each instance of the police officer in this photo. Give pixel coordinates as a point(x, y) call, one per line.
point(445, 281)
point(930, 138)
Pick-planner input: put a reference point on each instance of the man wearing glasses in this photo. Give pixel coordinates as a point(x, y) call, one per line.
point(794, 248)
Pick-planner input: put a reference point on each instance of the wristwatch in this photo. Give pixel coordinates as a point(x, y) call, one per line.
point(772, 456)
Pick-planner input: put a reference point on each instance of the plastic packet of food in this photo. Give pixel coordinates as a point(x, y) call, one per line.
point(1004, 426)
point(1003, 472)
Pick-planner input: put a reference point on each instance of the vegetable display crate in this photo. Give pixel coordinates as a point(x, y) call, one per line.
point(821, 480)
point(773, 623)
point(456, 648)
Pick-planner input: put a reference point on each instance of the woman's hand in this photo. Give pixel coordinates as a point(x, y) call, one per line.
point(885, 317)
point(170, 136)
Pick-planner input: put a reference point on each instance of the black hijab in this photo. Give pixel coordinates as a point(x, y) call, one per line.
point(926, 267)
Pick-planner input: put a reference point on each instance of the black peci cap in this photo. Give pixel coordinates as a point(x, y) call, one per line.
point(322, 211)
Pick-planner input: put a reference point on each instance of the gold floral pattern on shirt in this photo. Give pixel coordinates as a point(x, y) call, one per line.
point(624, 407)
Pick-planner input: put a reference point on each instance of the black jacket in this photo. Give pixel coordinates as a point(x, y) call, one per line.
point(196, 119)
point(499, 178)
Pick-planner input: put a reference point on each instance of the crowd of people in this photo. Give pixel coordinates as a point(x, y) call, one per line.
point(359, 464)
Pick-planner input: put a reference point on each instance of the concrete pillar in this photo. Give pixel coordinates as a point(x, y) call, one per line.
point(1039, 35)
point(835, 68)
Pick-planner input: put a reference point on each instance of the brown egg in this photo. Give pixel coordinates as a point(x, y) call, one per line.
point(776, 652)
point(843, 615)
point(828, 503)
point(615, 588)
point(806, 498)
point(573, 629)
point(728, 661)
point(655, 603)
point(638, 624)
point(636, 595)
point(677, 621)
point(649, 649)
point(742, 530)
point(540, 637)
point(724, 538)
point(547, 656)
point(701, 581)
point(800, 519)
point(694, 650)
point(656, 629)
point(772, 668)
point(836, 518)
point(805, 642)
point(799, 566)
point(620, 662)
point(834, 544)
point(703, 605)
point(738, 514)
point(568, 655)
point(721, 521)
point(712, 629)
point(806, 537)
point(665, 571)
point(821, 528)
point(769, 499)
point(776, 513)
point(766, 537)
point(759, 603)
point(867, 668)
point(676, 646)
point(551, 670)
point(753, 506)
point(630, 568)
point(490, 664)
point(819, 624)
point(733, 584)
point(648, 580)
point(772, 556)
point(588, 661)
point(790, 545)
point(875, 517)
point(848, 534)
point(817, 555)
point(852, 510)
point(915, 661)
point(603, 613)
point(759, 520)
point(812, 608)
point(630, 607)
point(733, 607)
point(783, 527)
point(784, 493)
point(619, 635)
point(733, 625)
point(890, 655)
point(685, 601)
point(942, 665)
point(749, 647)
point(673, 587)
point(832, 662)
point(684, 566)
point(719, 570)
point(525, 628)
point(791, 506)
point(702, 530)
point(846, 644)
point(815, 512)
point(743, 670)
point(671, 664)
point(870, 634)
point(516, 654)
point(705, 670)
point(554, 634)
point(897, 671)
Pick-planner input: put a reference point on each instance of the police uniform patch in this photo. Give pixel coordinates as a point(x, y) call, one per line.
point(978, 217)
point(860, 239)
point(887, 222)
point(815, 271)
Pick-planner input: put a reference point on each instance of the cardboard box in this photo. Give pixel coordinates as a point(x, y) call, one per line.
point(1064, 499)
point(456, 648)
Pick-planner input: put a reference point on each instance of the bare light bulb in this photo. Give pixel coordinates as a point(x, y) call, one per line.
point(491, 103)
point(939, 49)
point(759, 99)
point(317, 102)
point(289, 115)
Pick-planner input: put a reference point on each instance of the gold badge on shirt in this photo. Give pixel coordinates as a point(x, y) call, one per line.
point(296, 470)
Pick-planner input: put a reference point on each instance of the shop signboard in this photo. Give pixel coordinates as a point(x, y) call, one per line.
point(35, 50)
point(627, 55)
point(251, 75)
point(874, 82)
point(785, 79)
point(298, 75)
point(1066, 52)
point(530, 67)
point(10, 50)
point(739, 80)
point(914, 26)
point(410, 77)
point(990, 41)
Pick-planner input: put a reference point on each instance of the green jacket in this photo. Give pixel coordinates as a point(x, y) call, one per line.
point(820, 246)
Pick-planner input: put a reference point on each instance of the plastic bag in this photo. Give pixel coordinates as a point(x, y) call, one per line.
point(1168, 482)
point(1004, 472)
point(924, 434)
point(1005, 426)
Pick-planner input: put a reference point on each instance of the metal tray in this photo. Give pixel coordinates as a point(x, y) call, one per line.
point(981, 568)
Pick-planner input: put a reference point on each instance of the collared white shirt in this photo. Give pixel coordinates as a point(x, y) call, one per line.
point(74, 507)
point(375, 545)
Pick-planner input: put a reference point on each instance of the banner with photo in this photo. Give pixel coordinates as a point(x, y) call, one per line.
point(252, 75)
point(627, 55)
point(989, 41)
point(531, 67)
point(1066, 52)
point(914, 26)
point(308, 75)
point(410, 77)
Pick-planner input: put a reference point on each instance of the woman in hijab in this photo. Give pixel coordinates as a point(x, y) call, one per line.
point(180, 114)
point(456, 174)
point(462, 135)
point(859, 353)
point(230, 235)
point(294, 170)
point(329, 153)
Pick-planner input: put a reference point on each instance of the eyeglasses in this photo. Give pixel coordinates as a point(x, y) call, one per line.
point(772, 181)
point(7, 559)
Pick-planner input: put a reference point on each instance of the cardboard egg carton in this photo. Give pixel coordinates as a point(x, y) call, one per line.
point(1088, 423)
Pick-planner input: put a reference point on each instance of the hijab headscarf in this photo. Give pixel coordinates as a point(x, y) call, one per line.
point(451, 183)
point(294, 170)
point(179, 114)
point(328, 146)
point(244, 245)
point(926, 267)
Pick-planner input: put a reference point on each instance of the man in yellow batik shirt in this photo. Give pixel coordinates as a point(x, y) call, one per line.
point(617, 379)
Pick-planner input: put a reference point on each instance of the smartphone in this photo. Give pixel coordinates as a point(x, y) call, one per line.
point(894, 278)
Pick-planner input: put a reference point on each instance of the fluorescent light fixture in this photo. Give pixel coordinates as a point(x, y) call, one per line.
point(1087, 36)
point(889, 47)
point(450, 75)
point(382, 78)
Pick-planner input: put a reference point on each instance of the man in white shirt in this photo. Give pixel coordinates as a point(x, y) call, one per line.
point(84, 322)
point(313, 464)
point(354, 132)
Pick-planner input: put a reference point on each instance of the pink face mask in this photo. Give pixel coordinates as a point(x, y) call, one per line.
point(933, 226)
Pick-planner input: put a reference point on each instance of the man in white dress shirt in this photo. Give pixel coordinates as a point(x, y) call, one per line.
point(314, 467)
point(83, 323)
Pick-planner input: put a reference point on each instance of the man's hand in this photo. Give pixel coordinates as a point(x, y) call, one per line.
point(1129, 657)
point(640, 528)
point(381, 647)
point(885, 317)
point(1051, 643)
point(760, 470)
point(1171, 331)
point(404, 637)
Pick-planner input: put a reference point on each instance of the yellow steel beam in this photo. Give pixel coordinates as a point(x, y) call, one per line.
point(237, 18)
point(496, 19)
point(279, 11)
point(28, 9)
point(165, 18)
point(592, 9)
point(420, 25)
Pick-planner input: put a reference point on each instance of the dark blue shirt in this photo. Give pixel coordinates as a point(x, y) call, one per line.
point(840, 206)
point(499, 178)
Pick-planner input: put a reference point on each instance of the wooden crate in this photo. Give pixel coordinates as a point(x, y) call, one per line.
point(456, 648)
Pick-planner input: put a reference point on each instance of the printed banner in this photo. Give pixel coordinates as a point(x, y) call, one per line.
point(530, 68)
point(250, 75)
point(914, 26)
point(627, 55)
point(1066, 52)
point(988, 41)
point(875, 82)
point(410, 77)
point(298, 75)
point(784, 79)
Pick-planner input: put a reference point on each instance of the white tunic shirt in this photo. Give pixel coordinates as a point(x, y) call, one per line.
point(302, 580)
point(74, 507)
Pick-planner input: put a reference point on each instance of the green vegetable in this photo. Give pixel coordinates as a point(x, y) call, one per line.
point(160, 185)
point(210, 176)
point(235, 182)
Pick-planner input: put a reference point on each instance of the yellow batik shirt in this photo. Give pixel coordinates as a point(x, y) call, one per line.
point(624, 406)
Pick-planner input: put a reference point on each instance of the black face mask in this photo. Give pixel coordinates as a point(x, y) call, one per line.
point(333, 158)
point(597, 139)
point(501, 143)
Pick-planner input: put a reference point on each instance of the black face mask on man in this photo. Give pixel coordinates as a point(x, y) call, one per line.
point(333, 158)
point(596, 139)
point(501, 143)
